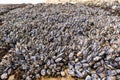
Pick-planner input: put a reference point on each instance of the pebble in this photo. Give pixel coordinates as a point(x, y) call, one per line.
point(112, 72)
point(28, 78)
point(4, 76)
point(43, 72)
point(58, 59)
point(48, 72)
point(97, 58)
point(88, 77)
point(79, 54)
point(37, 76)
point(111, 78)
point(117, 59)
point(71, 55)
point(71, 72)
point(62, 73)
point(114, 7)
point(79, 74)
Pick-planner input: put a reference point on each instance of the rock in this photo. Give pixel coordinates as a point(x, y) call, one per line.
point(77, 66)
point(102, 75)
point(71, 72)
point(111, 72)
point(48, 72)
point(118, 77)
point(79, 54)
point(111, 78)
point(43, 72)
point(9, 71)
point(97, 58)
point(37, 76)
point(4, 76)
point(94, 76)
point(85, 65)
point(62, 73)
point(79, 74)
point(117, 59)
point(48, 62)
point(58, 59)
point(71, 55)
point(114, 7)
point(28, 78)
point(88, 77)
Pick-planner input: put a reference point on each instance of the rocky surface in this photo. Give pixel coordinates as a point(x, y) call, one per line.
point(46, 39)
point(97, 2)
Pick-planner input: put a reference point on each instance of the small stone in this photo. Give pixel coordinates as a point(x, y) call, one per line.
point(100, 69)
point(108, 57)
point(76, 60)
point(78, 66)
point(88, 78)
point(48, 72)
point(70, 66)
point(111, 50)
point(110, 67)
point(84, 73)
point(4, 76)
point(95, 76)
point(71, 72)
point(112, 72)
point(79, 53)
point(71, 55)
point(118, 71)
point(43, 72)
point(79, 74)
point(85, 64)
point(24, 66)
point(28, 78)
point(117, 59)
point(104, 78)
point(114, 7)
point(102, 75)
point(9, 71)
point(62, 73)
point(118, 77)
point(111, 78)
point(58, 59)
point(102, 53)
point(48, 62)
point(97, 58)
point(37, 76)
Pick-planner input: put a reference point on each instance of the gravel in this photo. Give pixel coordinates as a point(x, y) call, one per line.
point(46, 39)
